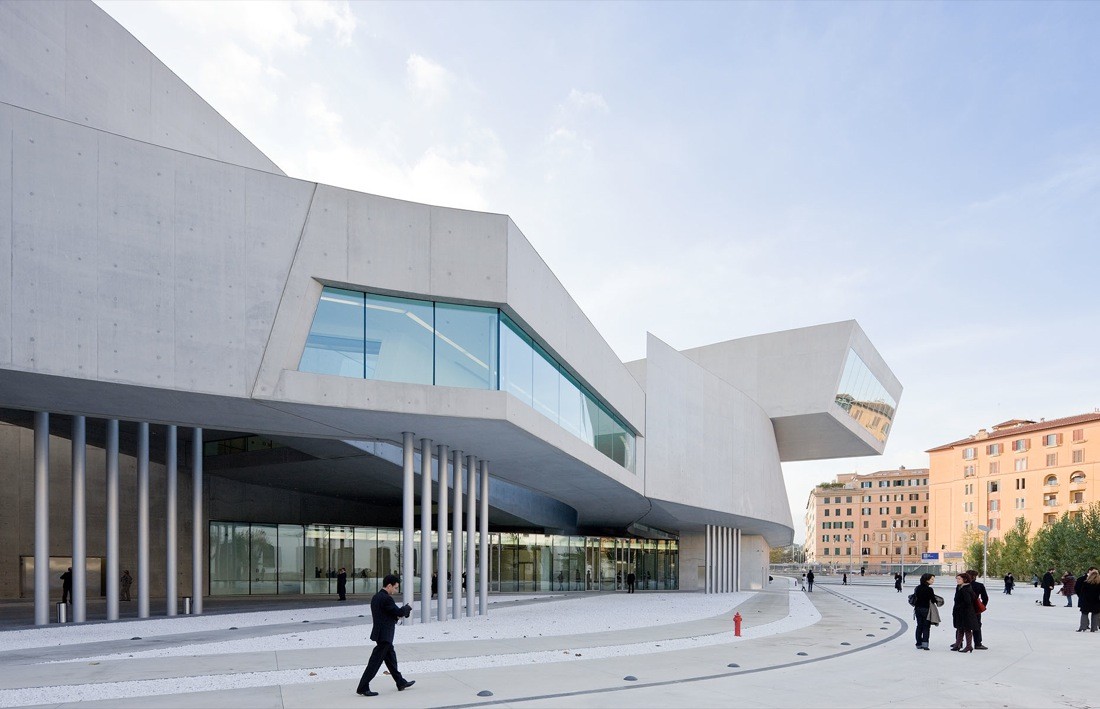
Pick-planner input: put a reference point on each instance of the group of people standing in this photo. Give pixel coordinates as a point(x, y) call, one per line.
point(1087, 589)
point(966, 611)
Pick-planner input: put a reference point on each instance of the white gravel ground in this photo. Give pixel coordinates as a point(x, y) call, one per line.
point(561, 617)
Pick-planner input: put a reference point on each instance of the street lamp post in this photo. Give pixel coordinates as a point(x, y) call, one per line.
point(985, 551)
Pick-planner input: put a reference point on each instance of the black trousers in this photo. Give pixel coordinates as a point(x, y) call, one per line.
point(383, 652)
point(978, 629)
point(1046, 596)
point(66, 594)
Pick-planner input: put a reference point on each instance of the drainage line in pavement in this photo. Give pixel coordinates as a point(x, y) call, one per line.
point(904, 627)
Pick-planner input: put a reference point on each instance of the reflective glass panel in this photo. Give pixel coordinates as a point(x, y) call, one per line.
point(466, 346)
point(291, 571)
point(229, 558)
point(516, 360)
point(265, 560)
point(545, 382)
point(864, 398)
point(399, 339)
point(315, 555)
point(335, 341)
point(569, 405)
point(366, 545)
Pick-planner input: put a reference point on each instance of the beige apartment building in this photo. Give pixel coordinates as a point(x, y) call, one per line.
point(1019, 468)
point(876, 521)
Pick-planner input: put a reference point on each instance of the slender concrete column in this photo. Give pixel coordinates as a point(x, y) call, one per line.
point(706, 561)
point(407, 514)
point(425, 530)
point(483, 543)
point(171, 475)
point(41, 518)
point(80, 544)
point(471, 530)
point(143, 519)
point(112, 520)
point(198, 566)
point(441, 524)
point(456, 537)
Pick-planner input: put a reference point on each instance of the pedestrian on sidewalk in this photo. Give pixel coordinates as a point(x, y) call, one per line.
point(963, 614)
point(67, 585)
point(924, 598)
point(125, 583)
point(897, 582)
point(342, 583)
point(1010, 581)
point(1068, 582)
point(980, 591)
point(1048, 586)
point(1088, 601)
point(385, 614)
point(810, 580)
point(845, 582)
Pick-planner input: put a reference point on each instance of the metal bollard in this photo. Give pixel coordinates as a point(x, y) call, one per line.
point(187, 605)
point(62, 612)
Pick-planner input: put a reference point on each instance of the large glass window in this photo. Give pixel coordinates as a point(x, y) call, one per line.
point(291, 559)
point(400, 339)
point(229, 558)
point(265, 562)
point(466, 346)
point(335, 342)
point(545, 382)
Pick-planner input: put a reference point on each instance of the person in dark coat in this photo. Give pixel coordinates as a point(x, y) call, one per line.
point(1068, 582)
point(342, 583)
point(810, 580)
point(1048, 586)
point(897, 582)
point(980, 591)
point(1010, 582)
point(67, 586)
point(631, 579)
point(1088, 600)
point(963, 614)
point(923, 598)
point(385, 614)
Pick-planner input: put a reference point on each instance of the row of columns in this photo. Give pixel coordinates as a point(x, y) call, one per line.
point(460, 470)
point(722, 559)
point(79, 518)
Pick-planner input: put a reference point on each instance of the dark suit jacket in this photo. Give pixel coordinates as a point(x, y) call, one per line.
point(341, 582)
point(1048, 580)
point(385, 614)
point(979, 590)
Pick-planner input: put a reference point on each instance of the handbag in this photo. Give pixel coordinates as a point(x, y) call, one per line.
point(978, 605)
point(933, 614)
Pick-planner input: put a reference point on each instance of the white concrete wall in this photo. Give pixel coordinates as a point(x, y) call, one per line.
point(709, 445)
point(755, 559)
point(71, 60)
point(693, 550)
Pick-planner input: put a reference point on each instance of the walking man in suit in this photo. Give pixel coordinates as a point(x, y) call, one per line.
point(67, 585)
point(385, 614)
point(342, 583)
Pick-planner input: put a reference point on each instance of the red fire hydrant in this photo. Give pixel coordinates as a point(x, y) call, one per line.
point(737, 624)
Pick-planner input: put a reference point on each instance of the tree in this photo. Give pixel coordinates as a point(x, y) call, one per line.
point(1016, 554)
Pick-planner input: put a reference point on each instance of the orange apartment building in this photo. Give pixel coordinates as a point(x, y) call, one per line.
point(875, 520)
point(1019, 468)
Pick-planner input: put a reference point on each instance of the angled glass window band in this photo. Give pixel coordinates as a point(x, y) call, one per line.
point(400, 339)
point(335, 344)
point(446, 344)
point(466, 346)
point(864, 398)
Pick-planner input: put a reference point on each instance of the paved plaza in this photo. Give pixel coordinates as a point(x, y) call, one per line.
point(841, 646)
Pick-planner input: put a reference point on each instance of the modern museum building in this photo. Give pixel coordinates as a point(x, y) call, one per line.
point(225, 380)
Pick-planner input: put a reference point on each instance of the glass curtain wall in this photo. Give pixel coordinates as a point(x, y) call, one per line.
point(291, 559)
point(864, 398)
point(393, 339)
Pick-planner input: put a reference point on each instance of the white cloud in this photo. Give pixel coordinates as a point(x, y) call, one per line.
point(269, 26)
point(569, 145)
point(429, 82)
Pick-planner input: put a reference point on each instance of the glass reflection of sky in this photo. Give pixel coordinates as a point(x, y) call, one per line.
point(864, 398)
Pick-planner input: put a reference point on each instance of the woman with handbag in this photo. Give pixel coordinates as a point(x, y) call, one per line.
point(964, 615)
point(924, 605)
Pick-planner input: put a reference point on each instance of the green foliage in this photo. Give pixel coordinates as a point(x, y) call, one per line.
point(1016, 555)
point(830, 485)
point(1068, 544)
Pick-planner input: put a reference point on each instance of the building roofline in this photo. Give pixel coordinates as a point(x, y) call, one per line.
point(1019, 429)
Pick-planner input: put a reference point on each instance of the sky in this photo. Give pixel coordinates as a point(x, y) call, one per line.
point(707, 171)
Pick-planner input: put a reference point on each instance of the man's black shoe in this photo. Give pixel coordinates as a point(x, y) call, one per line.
point(367, 693)
point(980, 647)
point(405, 686)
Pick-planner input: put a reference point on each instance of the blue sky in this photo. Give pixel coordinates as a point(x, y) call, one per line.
point(707, 171)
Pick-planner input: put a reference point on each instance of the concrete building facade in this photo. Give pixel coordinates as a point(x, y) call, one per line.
point(225, 379)
point(1036, 470)
point(876, 521)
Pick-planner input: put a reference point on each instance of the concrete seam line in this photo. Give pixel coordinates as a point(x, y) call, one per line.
point(903, 628)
